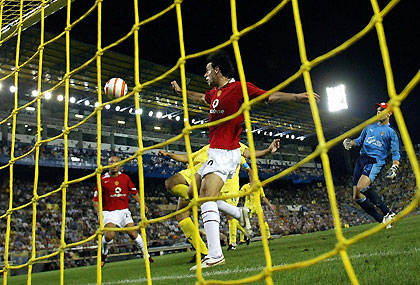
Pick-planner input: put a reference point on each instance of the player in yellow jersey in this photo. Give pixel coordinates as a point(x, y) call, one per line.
point(253, 203)
point(179, 182)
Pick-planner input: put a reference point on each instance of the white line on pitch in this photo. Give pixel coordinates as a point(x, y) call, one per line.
point(249, 269)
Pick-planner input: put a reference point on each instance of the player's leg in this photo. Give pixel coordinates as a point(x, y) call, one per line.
point(177, 185)
point(239, 213)
point(111, 220)
point(374, 197)
point(134, 235)
point(361, 181)
point(220, 166)
point(188, 228)
point(267, 229)
point(233, 232)
point(233, 223)
point(361, 199)
point(210, 187)
point(107, 238)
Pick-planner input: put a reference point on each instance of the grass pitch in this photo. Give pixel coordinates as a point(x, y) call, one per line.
point(389, 257)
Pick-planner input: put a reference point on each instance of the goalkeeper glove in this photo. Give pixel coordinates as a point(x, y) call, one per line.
point(347, 144)
point(392, 172)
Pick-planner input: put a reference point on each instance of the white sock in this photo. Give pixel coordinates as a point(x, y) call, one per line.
point(105, 245)
point(140, 244)
point(211, 221)
point(228, 209)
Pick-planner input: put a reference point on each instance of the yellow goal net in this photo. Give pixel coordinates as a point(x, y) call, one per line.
point(16, 13)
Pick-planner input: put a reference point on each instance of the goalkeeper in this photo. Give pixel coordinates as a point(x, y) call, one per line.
point(376, 140)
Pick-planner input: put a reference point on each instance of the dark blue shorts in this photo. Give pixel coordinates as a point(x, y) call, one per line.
point(368, 166)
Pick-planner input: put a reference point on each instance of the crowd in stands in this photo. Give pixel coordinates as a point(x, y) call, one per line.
point(300, 208)
point(153, 163)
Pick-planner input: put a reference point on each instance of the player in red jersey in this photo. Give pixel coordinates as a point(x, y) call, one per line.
point(225, 98)
point(116, 187)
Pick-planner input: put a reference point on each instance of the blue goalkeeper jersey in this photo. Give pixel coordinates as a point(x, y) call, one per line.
point(376, 140)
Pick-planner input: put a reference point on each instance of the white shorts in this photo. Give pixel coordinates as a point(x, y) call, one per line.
point(222, 162)
point(118, 217)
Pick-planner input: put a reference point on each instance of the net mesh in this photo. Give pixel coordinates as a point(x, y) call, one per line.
point(18, 11)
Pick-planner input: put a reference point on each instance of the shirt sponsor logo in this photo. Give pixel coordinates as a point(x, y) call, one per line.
point(214, 105)
point(117, 193)
point(372, 140)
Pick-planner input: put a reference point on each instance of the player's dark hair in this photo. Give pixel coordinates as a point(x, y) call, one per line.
point(222, 60)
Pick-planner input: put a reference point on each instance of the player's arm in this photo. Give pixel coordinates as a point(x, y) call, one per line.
point(273, 147)
point(348, 143)
point(396, 156)
point(95, 201)
point(192, 95)
point(272, 207)
point(96, 206)
point(137, 198)
point(278, 97)
point(248, 169)
point(178, 157)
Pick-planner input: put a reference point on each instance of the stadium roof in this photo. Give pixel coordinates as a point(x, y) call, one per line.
point(277, 120)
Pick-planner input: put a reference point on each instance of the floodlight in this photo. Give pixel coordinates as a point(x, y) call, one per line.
point(337, 98)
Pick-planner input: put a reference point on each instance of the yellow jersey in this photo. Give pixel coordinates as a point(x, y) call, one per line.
point(252, 200)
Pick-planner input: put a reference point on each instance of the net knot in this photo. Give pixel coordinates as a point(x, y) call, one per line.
point(99, 108)
point(63, 185)
point(66, 131)
point(178, 2)
point(15, 112)
point(377, 18)
point(100, 52)
point(35, 199)
point(62, 247)
point(38, 144)
point(246, 107)
point(394, 103)
point(182, 60)
point(67, 29)
point(142, 224)
point(186, 131)
point(99, 170)
point(341, 245)
point(9, 212)
point(322, 146)
point(235, 36)
point(138, 153)
point(40, 48)
point(138, 88)
point(306, 66)
point(135, 27)
point(12, 161)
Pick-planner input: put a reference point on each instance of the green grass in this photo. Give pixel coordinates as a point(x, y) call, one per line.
point(389, 257)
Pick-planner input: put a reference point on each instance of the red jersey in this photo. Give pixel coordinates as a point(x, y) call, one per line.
point(224, 102)
point(115, 191)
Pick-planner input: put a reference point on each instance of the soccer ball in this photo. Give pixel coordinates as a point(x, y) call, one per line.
point(115, 88)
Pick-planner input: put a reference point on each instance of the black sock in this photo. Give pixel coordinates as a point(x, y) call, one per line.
point(370, 209)
point(376, 200)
